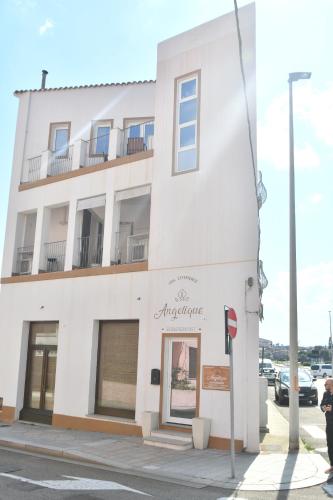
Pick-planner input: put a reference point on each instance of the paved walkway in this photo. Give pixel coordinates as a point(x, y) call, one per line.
point(272, 469)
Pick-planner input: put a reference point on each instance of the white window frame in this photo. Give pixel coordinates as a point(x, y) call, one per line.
point(178, 126)
point(54, 127)
point(95, 125)
point(141, 122)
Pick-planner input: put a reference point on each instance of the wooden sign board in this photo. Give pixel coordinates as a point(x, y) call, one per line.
point(216, 378)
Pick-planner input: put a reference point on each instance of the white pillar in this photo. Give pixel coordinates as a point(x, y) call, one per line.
point(44, 237)
point(77, 154)
point(106, 260)
point(114, 143)
point(70, 236)
point(46, 158)
point(38, 241)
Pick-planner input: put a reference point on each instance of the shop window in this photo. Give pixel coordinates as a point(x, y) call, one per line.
point(117, 368)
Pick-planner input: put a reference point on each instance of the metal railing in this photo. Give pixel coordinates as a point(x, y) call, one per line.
point(142, 140)
point(60, 161)
point(24, 257)
point(34, 166)
point(90, 251)
point(131, 248)
point(54, 259)
point(89, 156)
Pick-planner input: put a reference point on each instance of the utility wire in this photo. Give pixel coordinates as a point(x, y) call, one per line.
point(240, 48)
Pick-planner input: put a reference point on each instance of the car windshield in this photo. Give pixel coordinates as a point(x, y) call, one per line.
point(302, 377)
point(265, 365)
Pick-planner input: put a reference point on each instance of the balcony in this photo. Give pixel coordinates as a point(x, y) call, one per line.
point(119, 143)
point(54, 256)
point(60, 162)
point(90, 251)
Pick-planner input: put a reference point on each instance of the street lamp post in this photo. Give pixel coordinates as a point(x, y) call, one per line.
point(293, 340)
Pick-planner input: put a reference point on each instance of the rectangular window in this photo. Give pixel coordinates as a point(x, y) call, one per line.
point(139, 134)
point(59, 139)
point(186, 124)
point(100, 138)
point(117, 368)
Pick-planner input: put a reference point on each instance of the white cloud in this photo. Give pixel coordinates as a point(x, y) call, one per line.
point(273, 139)
point(316, 198)
point(306, 158)
point(25, 5)
point(315, 299)
point(46, 26)
point(314, 108)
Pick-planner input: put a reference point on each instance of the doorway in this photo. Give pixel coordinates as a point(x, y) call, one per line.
point(40, 374)
point(181, 378)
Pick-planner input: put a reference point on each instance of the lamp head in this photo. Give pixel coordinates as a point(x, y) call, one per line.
point(300, 75)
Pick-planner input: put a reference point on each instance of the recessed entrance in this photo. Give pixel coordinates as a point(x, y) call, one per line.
point(40, 375)
point(181, 378)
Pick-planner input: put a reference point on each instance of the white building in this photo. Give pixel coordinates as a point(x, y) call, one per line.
point(132, 221)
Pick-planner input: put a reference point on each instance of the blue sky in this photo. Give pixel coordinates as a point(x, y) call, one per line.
point(107, 41)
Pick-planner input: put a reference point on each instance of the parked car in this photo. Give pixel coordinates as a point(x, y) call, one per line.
point(308, 392)
point(321, 370)
point(266, 369)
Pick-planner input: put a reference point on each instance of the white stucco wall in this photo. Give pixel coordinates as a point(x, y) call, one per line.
point(203, 225)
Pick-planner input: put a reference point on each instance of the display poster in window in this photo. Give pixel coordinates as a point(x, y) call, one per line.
point(216, 378)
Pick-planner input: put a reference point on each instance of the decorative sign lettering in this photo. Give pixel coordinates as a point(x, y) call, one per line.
point(180, 306)
point(216, 378)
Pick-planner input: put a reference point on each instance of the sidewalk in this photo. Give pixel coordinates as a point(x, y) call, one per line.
point(272, 469)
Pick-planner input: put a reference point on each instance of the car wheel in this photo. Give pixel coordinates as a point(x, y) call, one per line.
point(280, 399)
point(276, 395)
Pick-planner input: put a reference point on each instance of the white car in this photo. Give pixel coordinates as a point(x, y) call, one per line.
point(321, 370)
point(266, 369)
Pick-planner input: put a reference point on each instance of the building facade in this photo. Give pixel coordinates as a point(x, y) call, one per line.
point(132, 222)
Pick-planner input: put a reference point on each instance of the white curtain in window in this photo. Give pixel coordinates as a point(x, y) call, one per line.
point(132, 193)
point(95, 201)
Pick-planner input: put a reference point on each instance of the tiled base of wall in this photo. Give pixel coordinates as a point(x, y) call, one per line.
point(7, 414)
point(97, 425)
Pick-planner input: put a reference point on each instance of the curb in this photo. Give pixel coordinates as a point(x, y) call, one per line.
point(195, 482)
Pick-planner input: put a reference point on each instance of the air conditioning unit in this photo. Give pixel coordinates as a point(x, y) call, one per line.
point(138, 252)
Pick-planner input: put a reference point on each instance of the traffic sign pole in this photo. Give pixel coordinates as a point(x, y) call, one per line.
point(230, 334)
point(232, 413)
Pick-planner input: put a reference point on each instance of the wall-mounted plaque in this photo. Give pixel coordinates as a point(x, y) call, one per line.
point(216, 378)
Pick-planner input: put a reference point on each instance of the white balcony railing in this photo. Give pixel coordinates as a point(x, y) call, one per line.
point(122, 142)
point(54, 259)
point(60, 162)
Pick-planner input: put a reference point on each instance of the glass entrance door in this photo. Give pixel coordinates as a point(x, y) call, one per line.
point(41, 370)
point(181, 380)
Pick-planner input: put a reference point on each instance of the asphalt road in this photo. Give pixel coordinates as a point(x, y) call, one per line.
point(312, 421)
point(29, 477)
